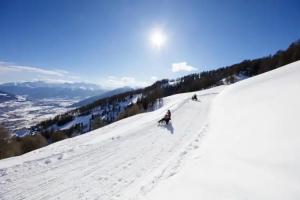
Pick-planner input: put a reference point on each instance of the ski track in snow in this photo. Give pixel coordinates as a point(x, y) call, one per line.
point(118, 161)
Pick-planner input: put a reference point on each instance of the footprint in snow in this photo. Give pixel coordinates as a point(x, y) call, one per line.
point(183, 153)
point(8, 180)
point(48, 161)
point(60, 157)
point(3, 172)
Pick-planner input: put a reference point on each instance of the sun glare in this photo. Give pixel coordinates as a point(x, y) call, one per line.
point(158, 38)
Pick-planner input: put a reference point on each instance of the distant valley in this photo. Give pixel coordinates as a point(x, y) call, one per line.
point(24, 104)
point(23, 112)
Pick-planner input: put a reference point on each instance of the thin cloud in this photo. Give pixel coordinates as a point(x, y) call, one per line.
point(10, 72)
point(112, 82)
point(153, 78)
point(182, 66)
point(18, 68)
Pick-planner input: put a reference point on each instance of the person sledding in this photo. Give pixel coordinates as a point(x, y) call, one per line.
point(166, 118)
point(194, 97)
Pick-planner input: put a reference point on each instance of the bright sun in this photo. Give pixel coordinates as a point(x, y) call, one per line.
point(158, 38)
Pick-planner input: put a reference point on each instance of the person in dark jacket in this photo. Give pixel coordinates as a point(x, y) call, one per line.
point(194, 97)
point(166, 118)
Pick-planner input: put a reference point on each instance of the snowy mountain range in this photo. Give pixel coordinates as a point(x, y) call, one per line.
point(101, 96)
point(43, 90)
point(239, 141)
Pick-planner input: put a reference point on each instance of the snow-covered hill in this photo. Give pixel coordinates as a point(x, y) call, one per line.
point(238, 142)
point(251, 149)
point(109, 161)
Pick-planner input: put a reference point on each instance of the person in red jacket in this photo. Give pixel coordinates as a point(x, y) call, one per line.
point(166, 118)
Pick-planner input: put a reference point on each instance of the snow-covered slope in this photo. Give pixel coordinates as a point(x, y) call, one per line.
point(111, 162)
point(237, 142)
point(251, 149)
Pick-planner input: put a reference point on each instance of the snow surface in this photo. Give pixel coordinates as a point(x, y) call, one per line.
point(110, 162)
point(237, 142)
point(251, 148)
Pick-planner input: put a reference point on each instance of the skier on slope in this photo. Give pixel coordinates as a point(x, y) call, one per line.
point(166, 118)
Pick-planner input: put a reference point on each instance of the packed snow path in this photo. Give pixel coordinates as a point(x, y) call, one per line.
point(109, 163)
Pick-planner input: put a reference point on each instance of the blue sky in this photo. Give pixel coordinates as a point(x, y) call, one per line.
point(107, 42)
